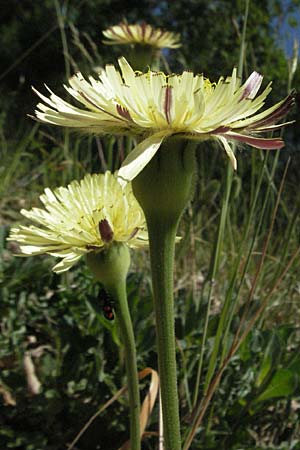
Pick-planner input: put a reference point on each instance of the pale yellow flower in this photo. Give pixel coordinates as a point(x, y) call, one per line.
point(143, 34)
point(85, 216)
point(153, 106)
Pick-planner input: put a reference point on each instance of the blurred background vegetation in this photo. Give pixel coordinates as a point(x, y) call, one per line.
point(51, 326)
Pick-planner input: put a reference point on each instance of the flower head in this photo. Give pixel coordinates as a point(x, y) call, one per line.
point(84, 217)
point(143, 34)
point(153, 106)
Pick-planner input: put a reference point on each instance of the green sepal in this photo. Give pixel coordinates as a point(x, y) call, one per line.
point(164, 187)
point(110, 266)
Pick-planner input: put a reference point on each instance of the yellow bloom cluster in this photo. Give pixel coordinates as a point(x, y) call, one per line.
point(143, 34)
point(84, 217)
point(154, 106)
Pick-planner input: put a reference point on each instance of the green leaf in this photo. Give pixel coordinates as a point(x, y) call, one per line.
point(283, 384)
point(271, 359)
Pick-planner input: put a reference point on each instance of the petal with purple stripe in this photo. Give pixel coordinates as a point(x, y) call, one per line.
point(168, 103)
point(263, 143)
point(283, 108)
point(251, 86)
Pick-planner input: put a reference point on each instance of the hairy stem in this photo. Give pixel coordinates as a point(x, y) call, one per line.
point(118, 292)
point(163, 190)
point(162, 243)
point(110, 267)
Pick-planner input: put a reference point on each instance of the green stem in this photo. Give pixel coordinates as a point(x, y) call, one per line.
point(162, 243)
point(61, 19)
point(141, 56)
point(163, 189)
point(243, 40)
point(110, 267)
point(118, 292)
point(214, 266)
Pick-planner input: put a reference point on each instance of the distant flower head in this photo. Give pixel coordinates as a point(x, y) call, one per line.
point(143, 34)
point(84, 217)
point(153, 106)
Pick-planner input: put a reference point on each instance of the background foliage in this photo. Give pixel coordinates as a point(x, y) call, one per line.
point(56, 321)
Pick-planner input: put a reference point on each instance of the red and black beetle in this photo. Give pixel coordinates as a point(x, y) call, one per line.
point(106, 302)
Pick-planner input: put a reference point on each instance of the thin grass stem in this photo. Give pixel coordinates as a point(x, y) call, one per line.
point(213, 271)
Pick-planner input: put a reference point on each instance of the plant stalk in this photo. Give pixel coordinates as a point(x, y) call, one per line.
point(162, 243)
point(163, 190)
point(118, 292)
point(110, 267)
